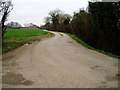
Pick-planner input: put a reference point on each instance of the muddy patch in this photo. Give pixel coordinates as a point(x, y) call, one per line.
point(100, 69)
point(15, 79)
point(118, 75)
point(37, 40)
point(6, 64)
point(102, 86)
point(115, 64)
point(9, 62)
point(8, 57)
point(70, 42)
point(111, 78)
point(61, 34)
point(95, 67)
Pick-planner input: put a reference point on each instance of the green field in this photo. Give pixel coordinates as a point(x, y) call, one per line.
point(17, 37)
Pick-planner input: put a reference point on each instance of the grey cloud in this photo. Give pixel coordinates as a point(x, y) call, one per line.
point(26, 11)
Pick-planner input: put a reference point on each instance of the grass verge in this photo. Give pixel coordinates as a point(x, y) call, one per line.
point(17, 37)
point(86, 45)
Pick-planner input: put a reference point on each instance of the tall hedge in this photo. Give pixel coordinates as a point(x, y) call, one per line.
point(106, 22)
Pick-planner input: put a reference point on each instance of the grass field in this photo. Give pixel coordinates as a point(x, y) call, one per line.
point(86, 45)
point(17, 37)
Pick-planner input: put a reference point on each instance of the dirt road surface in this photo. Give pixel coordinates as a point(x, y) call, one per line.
point(58, 62)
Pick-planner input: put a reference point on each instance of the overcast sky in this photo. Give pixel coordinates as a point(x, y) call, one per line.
point(34, 11)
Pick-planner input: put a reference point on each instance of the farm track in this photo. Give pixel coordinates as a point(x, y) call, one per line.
point(58, 62)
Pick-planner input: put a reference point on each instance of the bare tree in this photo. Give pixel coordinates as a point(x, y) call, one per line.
point(31, 25)
point(47, 20)
point(14, 25)
point(55, 17)
point(57, 20)
point(5, 9)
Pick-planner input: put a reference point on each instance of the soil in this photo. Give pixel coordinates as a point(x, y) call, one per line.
point(58, 62)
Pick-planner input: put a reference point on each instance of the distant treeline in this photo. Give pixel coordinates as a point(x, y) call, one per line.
point(98, 26)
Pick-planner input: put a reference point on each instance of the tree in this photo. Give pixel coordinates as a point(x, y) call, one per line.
point(81, 24)
point(57, 21)
point(55, 18)
point(47, 22)
point(106, 22)
point(5, 9)
point(14, 25)
point(31, 25)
